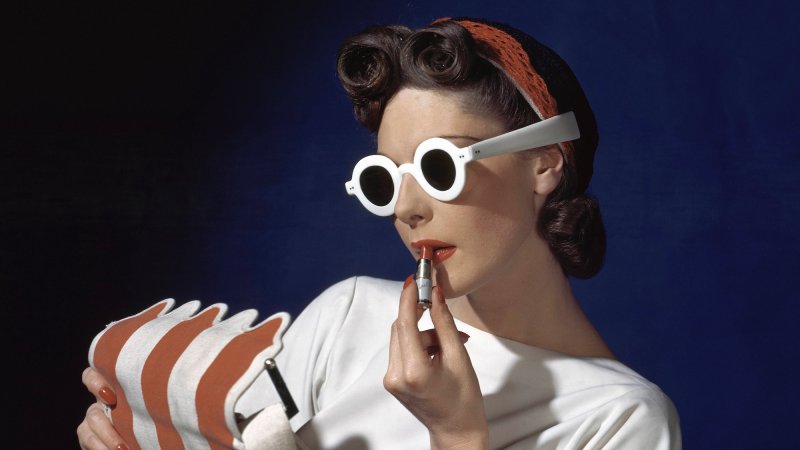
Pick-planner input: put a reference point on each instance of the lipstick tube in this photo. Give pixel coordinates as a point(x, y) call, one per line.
point(423, 277)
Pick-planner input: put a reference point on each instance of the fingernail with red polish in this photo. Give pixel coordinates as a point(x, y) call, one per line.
point(122, 447)
point(408, 281)
point(108, 396)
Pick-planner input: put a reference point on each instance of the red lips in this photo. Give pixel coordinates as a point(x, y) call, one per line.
point(441, 250)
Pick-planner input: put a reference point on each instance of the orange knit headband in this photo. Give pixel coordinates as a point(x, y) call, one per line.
point(515, 62)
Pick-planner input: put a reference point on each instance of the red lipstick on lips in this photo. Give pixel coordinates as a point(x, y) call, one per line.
point(441, 250)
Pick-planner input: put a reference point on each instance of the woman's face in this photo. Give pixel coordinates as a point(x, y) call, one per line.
point(486, 233)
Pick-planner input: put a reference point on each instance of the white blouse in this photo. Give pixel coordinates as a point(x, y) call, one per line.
point(336, 354)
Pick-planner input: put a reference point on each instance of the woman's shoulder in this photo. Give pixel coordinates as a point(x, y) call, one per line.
point(643, 412)
point(618, 379)
point(646, 417)
point(600, 402)
point(637, 392)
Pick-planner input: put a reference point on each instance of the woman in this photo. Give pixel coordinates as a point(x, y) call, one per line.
point(509, 360)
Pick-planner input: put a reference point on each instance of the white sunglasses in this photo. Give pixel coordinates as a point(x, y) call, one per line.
point(439, 166)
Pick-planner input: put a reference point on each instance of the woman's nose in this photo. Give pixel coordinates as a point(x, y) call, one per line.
point(413, 203)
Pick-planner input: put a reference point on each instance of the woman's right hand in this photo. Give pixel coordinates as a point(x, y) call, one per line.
point(431, 374)
point(96, 432)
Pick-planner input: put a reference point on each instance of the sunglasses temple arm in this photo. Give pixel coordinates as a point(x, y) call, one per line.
point(560, 128)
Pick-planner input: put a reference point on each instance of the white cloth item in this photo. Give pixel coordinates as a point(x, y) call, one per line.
point(269, 430)
point(336, 354)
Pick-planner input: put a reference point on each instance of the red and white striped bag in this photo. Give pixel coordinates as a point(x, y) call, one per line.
point(178, 374)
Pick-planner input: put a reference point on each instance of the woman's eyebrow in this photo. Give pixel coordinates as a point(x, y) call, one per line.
point(448, 137)
point(460, 136)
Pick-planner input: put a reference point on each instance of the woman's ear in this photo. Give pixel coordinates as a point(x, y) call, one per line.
point(549, 167)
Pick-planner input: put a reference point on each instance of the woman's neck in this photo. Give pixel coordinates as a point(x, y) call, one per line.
point(533, 304)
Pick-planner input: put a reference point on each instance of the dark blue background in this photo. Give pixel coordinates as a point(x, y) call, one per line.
point(194, 152)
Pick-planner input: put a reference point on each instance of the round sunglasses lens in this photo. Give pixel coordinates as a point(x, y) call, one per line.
point(439, 169)
point(377, 185)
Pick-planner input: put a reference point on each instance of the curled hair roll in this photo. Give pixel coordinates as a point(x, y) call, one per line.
point(574, 230)
point(445, 55)
point(374, 64)
point(368, 66)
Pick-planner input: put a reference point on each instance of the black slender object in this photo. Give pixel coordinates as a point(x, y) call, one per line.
point(286, 397)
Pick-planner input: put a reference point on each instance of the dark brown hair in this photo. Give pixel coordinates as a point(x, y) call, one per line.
point(374, 64)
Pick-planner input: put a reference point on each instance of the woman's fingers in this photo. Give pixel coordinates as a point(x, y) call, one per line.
point(450, 339)
point(96, 431)
point(410, 343)
point(395, 357)
point(444, 397)
point(98, 386)
point(87, 439)
point(430, 340)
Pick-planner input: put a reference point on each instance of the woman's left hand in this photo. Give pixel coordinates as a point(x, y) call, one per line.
point(431, 374)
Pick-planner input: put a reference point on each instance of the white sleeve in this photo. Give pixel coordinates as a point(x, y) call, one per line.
point(303, 361)
point(643, 418)
point(308, 344)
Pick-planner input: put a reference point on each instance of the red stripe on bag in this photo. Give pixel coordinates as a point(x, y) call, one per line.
point(106, 353)
point(158, 367)
point(231, 363)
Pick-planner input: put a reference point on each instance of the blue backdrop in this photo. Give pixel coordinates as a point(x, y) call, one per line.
point(199, 153)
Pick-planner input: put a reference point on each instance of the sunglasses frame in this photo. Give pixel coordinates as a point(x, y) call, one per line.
point(557, 129)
